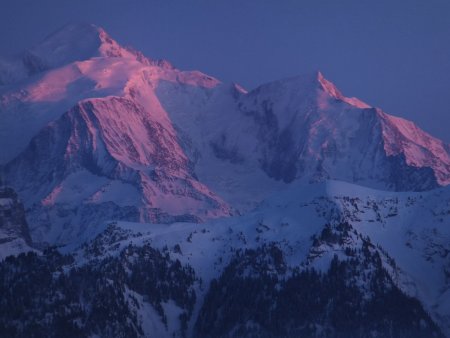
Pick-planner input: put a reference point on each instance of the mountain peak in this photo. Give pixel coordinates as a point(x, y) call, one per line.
point(79, 42)
point(328, 86)
point(73, 42)
point(307, 84)
point(333, 91)
point(74, 30)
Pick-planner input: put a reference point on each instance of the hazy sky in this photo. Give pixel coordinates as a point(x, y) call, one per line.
point(394, 54)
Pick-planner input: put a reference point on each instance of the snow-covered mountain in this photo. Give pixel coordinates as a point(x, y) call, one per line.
point(89, 166)
point(303, 127)
point(95, 131)
point(190, 207)
point(101, 147)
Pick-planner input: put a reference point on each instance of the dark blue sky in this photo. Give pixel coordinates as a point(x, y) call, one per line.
point(394, 54)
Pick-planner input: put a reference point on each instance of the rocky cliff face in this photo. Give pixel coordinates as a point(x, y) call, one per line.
point(14, 232)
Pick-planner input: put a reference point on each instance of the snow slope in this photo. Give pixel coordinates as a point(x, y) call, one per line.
point(133, 167)
point(409, 231)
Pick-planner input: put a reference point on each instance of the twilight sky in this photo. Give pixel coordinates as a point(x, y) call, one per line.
point(391, 54)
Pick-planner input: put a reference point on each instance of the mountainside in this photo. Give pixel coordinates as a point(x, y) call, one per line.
point(96, 166)
point(304, 128)
point(322, 260)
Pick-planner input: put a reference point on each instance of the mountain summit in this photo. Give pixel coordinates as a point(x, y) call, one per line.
point(75, 42)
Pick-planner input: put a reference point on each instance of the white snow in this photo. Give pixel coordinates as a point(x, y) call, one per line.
point(413, 228)
point(6, 202)
point(13, 247)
